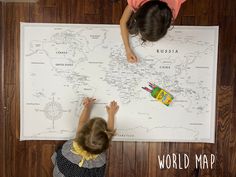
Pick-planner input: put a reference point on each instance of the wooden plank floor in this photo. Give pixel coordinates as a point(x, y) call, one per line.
point(32, 158)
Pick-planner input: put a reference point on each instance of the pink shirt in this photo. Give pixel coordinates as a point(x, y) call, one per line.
point(173, 4)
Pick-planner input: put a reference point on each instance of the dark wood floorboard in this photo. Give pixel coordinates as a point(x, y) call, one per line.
point(129, 159)
point(225, 96)
point(152, 162)
point(232, 145)
point(115, 162)
point(2, 96)
point(141, 167)
point(32, 158)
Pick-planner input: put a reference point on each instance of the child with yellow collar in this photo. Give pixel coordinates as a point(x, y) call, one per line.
point(85, 155)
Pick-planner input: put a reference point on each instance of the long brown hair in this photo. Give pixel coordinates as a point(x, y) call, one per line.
point(94, 137)
point(151, 20)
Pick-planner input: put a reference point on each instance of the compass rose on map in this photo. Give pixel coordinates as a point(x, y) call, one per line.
point(53, 110)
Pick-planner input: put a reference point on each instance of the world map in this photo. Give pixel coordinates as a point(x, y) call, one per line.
point(63, 63)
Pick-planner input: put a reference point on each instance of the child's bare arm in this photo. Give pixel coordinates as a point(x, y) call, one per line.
point(84, 117)
point(125, 34)
point(111, 111)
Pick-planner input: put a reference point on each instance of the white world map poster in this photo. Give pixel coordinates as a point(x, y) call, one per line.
point(63, 63)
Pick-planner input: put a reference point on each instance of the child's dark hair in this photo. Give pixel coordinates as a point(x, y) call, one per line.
point(94, 137)
point(151, 20)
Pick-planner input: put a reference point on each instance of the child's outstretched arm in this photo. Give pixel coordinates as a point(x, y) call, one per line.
point(84, 117)
point(111, 111)
point(131, 57)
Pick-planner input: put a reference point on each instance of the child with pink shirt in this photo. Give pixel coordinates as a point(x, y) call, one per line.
point(148, 18)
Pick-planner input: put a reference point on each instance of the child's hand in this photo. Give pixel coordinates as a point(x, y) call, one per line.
point(131, 57)
point(88, 102)
point(113, 108)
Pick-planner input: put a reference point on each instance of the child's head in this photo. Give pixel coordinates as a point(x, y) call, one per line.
point(151, 20)
point(94, 137)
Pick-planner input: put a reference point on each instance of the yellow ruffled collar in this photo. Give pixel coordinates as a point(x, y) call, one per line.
point(78, 150)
